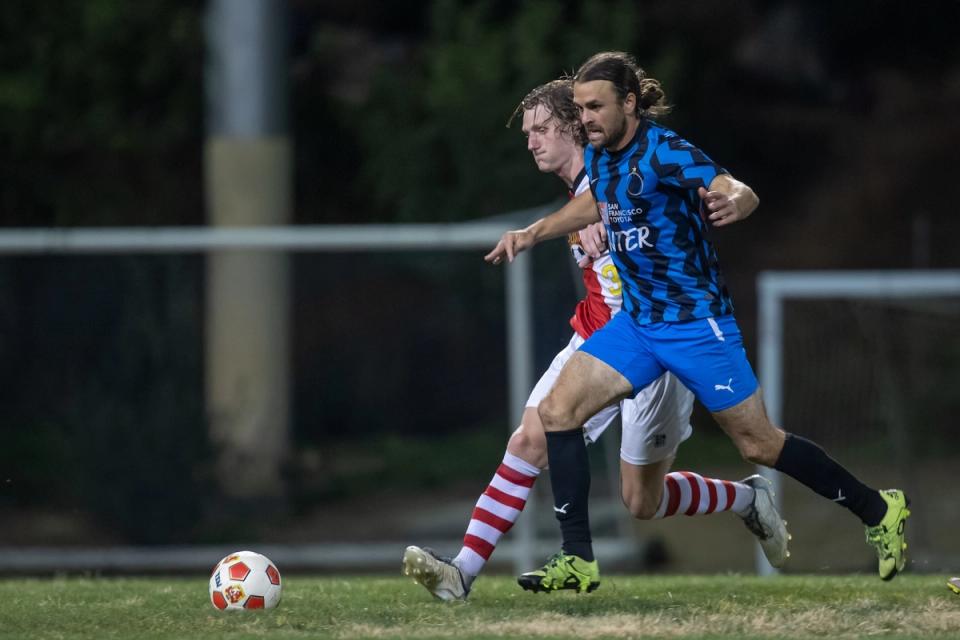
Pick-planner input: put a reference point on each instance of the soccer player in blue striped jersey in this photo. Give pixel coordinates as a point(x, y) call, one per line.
point(658, 195)
point(654, 422)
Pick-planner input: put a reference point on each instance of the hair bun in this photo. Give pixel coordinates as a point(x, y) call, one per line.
point(651, 93)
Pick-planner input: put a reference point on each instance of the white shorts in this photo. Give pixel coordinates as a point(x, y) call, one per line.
point(655, 422)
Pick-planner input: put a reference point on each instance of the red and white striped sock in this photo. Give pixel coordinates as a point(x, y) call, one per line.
point(496, 511)
point(690, 494)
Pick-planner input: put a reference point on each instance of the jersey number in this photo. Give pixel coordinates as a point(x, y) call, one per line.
point(610, 273)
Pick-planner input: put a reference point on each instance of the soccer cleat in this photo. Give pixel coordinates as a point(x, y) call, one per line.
point(764, 521)
point(562, 571)
point(437, 574)
point(888, 537)
point(954, 585)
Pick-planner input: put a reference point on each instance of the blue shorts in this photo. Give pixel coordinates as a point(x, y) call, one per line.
point(706, 354)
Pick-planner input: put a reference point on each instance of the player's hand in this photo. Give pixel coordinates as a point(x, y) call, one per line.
point(511, 243)
point(718, 208)
point(593, 239)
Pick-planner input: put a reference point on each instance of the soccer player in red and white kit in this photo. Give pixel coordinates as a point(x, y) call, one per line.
point(654, 423)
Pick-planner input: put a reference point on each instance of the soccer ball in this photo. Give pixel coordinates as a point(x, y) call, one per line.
point(245, 580)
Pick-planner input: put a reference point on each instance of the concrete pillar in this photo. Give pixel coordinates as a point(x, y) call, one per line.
point(247, 162)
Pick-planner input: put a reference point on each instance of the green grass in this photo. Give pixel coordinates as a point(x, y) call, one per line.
point(725, 606)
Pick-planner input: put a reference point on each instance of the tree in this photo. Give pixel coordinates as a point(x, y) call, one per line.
point(100, 113)
point(435, 143)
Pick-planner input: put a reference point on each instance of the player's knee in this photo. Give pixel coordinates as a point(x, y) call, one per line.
point(750, 454)
point(758, 441)
point(757, 451)
point(640, 505)
point(553, 415)
point(530, 445)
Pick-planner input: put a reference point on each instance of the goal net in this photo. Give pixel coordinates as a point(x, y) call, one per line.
point(867, 364)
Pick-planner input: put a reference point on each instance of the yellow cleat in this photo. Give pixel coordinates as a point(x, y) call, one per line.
point(562, 571)
point(888, 537)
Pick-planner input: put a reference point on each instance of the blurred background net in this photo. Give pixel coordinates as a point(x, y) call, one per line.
point(877, 383)
point(398, 384)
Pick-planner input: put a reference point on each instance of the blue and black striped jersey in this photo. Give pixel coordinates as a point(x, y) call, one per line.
point(647, 197)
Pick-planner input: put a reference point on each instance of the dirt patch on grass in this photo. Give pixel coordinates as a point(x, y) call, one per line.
point(928, 621)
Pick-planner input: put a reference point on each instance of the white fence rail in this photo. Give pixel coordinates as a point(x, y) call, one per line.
point(383, 237)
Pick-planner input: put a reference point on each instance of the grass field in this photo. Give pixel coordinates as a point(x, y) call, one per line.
point(726, 606)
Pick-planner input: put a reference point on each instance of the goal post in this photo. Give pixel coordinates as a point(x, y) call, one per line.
point(776, 288)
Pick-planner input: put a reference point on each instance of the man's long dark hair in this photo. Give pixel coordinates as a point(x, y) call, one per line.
point(627, 77)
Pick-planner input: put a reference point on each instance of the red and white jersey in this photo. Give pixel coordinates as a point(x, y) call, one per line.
point(604, 291)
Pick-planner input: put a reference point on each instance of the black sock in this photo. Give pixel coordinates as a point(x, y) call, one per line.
point(807, 463)
point(570, 480)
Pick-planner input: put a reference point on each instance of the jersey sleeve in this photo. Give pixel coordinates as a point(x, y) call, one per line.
point(680, 164)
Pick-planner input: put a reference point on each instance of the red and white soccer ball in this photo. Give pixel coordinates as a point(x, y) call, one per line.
point(245, 580)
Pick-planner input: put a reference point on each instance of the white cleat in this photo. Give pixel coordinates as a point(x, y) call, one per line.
point(436, 574)
point(764, 521)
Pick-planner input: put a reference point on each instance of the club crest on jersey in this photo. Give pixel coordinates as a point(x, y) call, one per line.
point(634, 183)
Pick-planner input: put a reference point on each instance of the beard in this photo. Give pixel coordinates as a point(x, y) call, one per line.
point(612, 139)
point(617, 134)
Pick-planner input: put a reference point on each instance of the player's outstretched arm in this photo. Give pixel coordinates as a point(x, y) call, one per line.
point(574, 215)
point(728, 200)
